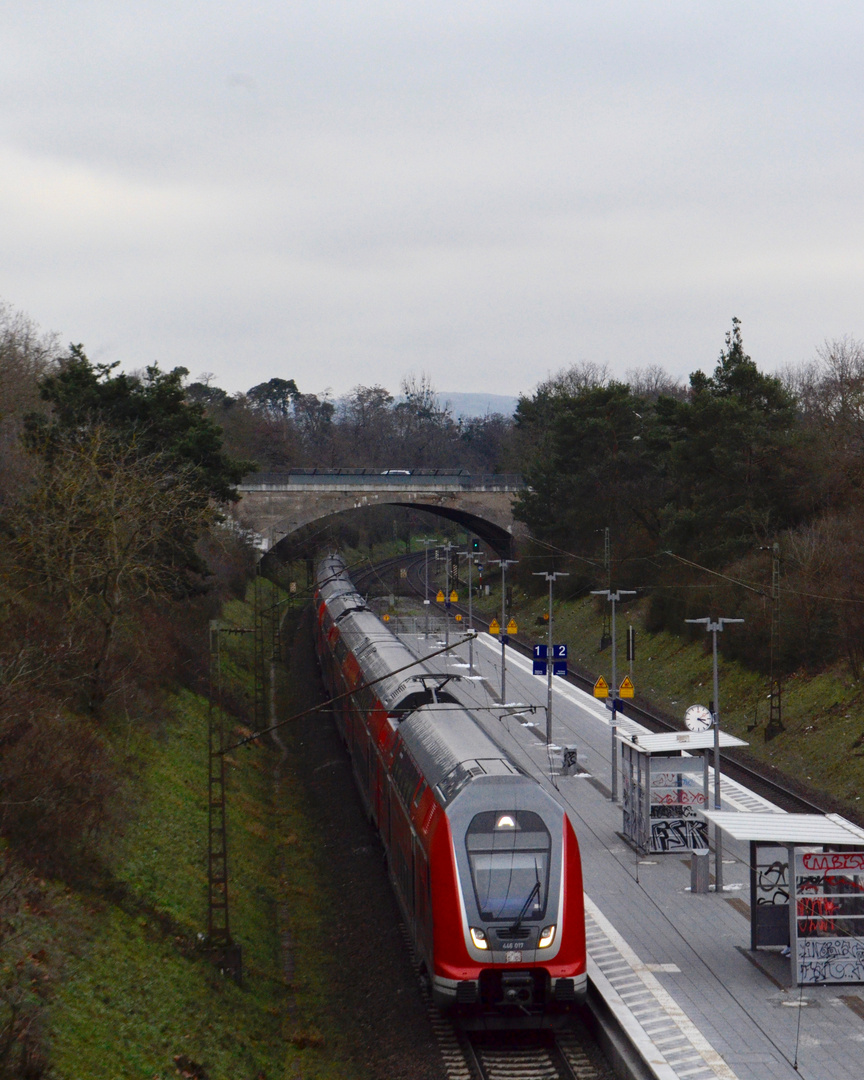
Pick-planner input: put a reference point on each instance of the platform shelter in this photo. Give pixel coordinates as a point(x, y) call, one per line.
point(823, 926)
point(665, 785)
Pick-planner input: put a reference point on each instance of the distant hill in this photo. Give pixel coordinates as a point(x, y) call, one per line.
point(465, 406)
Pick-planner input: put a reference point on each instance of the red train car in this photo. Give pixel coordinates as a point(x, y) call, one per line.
point(484, 861)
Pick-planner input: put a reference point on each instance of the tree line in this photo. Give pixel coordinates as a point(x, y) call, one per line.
point(281, 427)
point(696, 485)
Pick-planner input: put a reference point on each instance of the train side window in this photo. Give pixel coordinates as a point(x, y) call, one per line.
point(406, 775)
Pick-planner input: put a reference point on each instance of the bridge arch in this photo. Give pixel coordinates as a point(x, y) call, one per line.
point(277, 505)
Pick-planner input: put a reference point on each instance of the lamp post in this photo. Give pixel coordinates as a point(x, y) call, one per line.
point(470, 556)
point(713, 629)
point(426, 541)
point(504, 563)
point(447, 550)
point(549, 663)
point(614, 597)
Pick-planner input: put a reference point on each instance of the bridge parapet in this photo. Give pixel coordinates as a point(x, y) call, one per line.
point(388, 480)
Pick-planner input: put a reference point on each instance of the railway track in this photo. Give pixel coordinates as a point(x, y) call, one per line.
point(548, 1056)
point(571, 1054)
point(756, 779)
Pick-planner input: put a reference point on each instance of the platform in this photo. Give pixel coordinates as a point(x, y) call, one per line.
point(675, 968)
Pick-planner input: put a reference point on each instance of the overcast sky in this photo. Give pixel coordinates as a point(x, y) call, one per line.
point(342, 193)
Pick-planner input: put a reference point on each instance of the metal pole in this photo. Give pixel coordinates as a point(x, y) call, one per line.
point(549, 659)
point(470, 615)
point(614, 597)
point(549, 666)
point(426, 541)
point(447, 596)
point(713, 628)
point(504, 563)
point(503, 632)
point(470, 558)
point(718, 837)
point(426, 580)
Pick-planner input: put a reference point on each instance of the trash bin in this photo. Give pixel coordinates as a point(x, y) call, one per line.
point(700, 870)
point(569, 763)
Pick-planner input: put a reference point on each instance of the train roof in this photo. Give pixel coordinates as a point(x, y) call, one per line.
point(380, 654)
point(336, 588)
point(451, 748)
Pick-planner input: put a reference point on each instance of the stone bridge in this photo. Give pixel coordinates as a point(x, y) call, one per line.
point(276, 505)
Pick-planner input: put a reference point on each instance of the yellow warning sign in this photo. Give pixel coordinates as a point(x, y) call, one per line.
point(440, 596)
point(458, 618)
point(512, 628)
point(494, 628)
point(385, 617)
point(601, 688)
point(626, 688)
point(454, 596)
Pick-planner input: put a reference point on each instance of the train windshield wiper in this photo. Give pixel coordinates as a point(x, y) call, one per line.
point(535, 890)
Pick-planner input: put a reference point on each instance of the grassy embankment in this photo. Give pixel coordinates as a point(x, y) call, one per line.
point(138, 996)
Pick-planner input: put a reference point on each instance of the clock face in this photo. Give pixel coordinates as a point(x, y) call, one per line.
point(698, 718)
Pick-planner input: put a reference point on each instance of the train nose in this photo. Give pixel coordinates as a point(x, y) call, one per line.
point(517, 989)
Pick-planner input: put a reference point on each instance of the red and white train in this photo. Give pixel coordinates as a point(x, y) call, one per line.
point(484, 861)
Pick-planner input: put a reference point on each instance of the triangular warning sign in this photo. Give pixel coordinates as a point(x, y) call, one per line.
point(512, 628)
point(626, 688)
point(494, 628)
point(454, 596)
point(440, 596)
point(601, 688)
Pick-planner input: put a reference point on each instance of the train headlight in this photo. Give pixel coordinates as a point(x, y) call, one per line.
point(547, 936)
point(478, 936)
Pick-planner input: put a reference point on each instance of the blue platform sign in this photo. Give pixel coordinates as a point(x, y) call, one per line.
point(541, 659)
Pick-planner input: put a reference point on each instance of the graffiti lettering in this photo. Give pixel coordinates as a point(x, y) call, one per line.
point(678, 834)
point(833, 860)
point(678, 797)
point(835, 960)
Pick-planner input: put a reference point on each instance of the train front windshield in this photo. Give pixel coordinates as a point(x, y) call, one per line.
point(509, 852)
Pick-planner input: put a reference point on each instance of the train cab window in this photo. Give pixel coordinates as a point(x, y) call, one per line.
point(509, 852)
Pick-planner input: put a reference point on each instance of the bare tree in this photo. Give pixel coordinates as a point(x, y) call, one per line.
point(26, 355)
point(571, 381)
point(653, 381)
point(104, 527)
